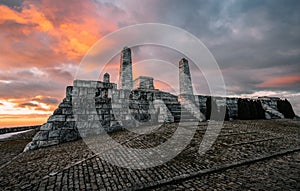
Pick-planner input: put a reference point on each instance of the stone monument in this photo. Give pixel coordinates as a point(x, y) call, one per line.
point(94, 107)
point(125, 81)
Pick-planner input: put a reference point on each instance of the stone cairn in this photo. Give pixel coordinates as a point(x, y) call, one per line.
point(92, 107)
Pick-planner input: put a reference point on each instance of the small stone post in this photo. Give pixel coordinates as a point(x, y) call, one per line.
point(106, 78)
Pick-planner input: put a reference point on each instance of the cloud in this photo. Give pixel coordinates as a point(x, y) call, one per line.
point(46, 100)
point(27, 105)
point(256, 44)
point(281, 81)
point(44, 33)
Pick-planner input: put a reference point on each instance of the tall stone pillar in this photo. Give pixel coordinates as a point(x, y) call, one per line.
point(125, 81)
point(185, 82)
point(186, 96)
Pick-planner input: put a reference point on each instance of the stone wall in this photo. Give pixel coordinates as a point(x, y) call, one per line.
point(250, 109)
point(285, 107)
point(93, 107)
point(144, 82)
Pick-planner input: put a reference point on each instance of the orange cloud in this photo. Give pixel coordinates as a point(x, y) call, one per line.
point(280, 81)
point(48, 38)
point(44, 32)
point(29, 15)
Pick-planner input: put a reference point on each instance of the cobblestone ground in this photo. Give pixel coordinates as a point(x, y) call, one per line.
point(12, 146)
point(247, 155)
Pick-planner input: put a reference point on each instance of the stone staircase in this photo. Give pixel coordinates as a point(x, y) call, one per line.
point(182, 114)
point(175, 109)
point(164, 114)
point(187, 116)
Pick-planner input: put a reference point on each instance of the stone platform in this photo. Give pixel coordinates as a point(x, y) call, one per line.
point(248, 155)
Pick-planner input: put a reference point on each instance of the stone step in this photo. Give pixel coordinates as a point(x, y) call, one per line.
point(188, 120)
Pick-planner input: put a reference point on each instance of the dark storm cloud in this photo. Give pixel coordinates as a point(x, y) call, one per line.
point(27, 105)
point(18, 89)
point(244, 36)
point(47, 100)
point(255, 42)
point(11, 3)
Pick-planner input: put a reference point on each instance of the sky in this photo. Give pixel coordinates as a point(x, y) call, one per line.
point(255, 43)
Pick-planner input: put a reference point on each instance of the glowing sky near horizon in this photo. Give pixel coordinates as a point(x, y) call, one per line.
point(256, 44)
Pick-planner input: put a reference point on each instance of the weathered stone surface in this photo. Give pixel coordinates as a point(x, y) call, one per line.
point(58, 111)
point(106, 78)
point(285, 107)
point(54, 133)
point(46, 127)
point(73, 165)
point(91, 107)
point(185, 82)
point(144, 82)
point(57, 118)
point(126, 69)
point(269, 104)
point(68, 135)
point(47, 143)
point(41, 136)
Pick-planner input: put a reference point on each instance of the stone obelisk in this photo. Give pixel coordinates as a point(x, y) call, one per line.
point(185, 82)
point(125, 81)
point(186, 96)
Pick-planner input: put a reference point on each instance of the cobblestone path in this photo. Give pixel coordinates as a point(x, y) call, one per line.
point(248, 157)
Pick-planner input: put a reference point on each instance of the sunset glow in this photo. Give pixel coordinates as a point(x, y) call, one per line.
point(42, 44)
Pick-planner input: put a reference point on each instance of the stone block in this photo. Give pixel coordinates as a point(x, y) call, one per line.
point(47, 143)
point(41, 136)
point(100, 85)
point(69, 125)
point(67, 111)
point(70, 118)
point(58, 111)
point(53, 142)
point(65, 105)
point(82, 118)
point(46, 127)
point(93, 84)
point(90, 118)
point(76, 102)
point(57, 124)
point(91, 111)
point(75, 91)
point(69, 90)
point(106, 117)
point(78, 111)
point(78, 83)
point(82, 91)
point(57, 118)
point(31, 146)
point(91, 91)
point(54, 133)
point(81, 125)
point(69, 135)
